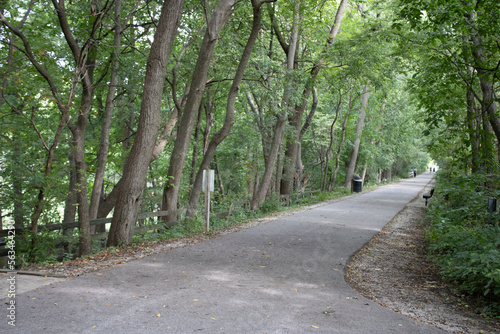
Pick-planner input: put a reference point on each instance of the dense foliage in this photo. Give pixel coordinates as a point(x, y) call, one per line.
point(314, 106)
point(456, 83)
point(464, 237)
point(46, 106)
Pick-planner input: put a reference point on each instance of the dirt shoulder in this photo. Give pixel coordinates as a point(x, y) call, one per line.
point(393, 270)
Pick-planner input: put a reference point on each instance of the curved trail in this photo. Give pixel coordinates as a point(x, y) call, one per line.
point(284, 276)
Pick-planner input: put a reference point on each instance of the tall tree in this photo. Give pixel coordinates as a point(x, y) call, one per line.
point(108, 113)
point(136, 167)
point(186, 124)
point(279, 130)
point(357, 140)
point(231, 100)
point(463, 34)
point(295, 117)
point(84, 62)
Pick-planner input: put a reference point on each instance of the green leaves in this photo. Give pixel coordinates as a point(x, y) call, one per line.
point(461, 239)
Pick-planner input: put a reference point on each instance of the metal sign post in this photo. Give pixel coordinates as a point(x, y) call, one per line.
point(208, 186)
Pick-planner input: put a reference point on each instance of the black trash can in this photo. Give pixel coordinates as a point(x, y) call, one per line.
point(357, 183)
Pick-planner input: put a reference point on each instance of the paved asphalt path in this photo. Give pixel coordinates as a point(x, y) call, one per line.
point(283, 276)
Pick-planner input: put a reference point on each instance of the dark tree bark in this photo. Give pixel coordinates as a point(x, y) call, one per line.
point(231, 100)
point(473, 127)
point(486, 77)
point(357, 141)
point(279, 130)
point(196, 145)
point(136, 167)
point(71, 201)
point(260, 195)
point(17, 184)
point(264, 130)
point(102, 156)
point(338, 111)
point(295, 118)
point(333, 179)
point(292, 147)
point(82, 74)
point(85, 64)
point(188, 118)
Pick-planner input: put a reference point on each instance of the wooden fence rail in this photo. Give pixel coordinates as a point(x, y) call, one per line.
point(295, 197)
point(285, 199)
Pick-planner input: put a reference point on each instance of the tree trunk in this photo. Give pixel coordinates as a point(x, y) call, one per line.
point(229, 119)
point(486, 77)
point(490, 109)
point(292, 147)
point(357, 141)
point(278, 173)
point(85, 243)
point(186, 123)
point(374, 141)
point(219, 177)
point(84, 65)
point(279, 131)
point(299, 167)
point(102, 156)
point(194, 159)
point(473, 130)
point(338, 19)
point(260, 194)
point(263, 129)
point(487, 142)
point(17, 187)
point(295, 119)
point(136, 167)
point(71, 201)
point(17, 184)
point(327, 153)
point(294, 113)
point(341, 145)
point(209, 121)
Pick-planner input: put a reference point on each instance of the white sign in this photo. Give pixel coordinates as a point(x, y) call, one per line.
point(211, 180)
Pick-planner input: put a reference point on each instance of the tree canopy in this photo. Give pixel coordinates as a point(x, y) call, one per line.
point(109, 110)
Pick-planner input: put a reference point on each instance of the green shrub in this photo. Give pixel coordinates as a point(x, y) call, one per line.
point(48, 247)
point(272, 204)
point(463, 238)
